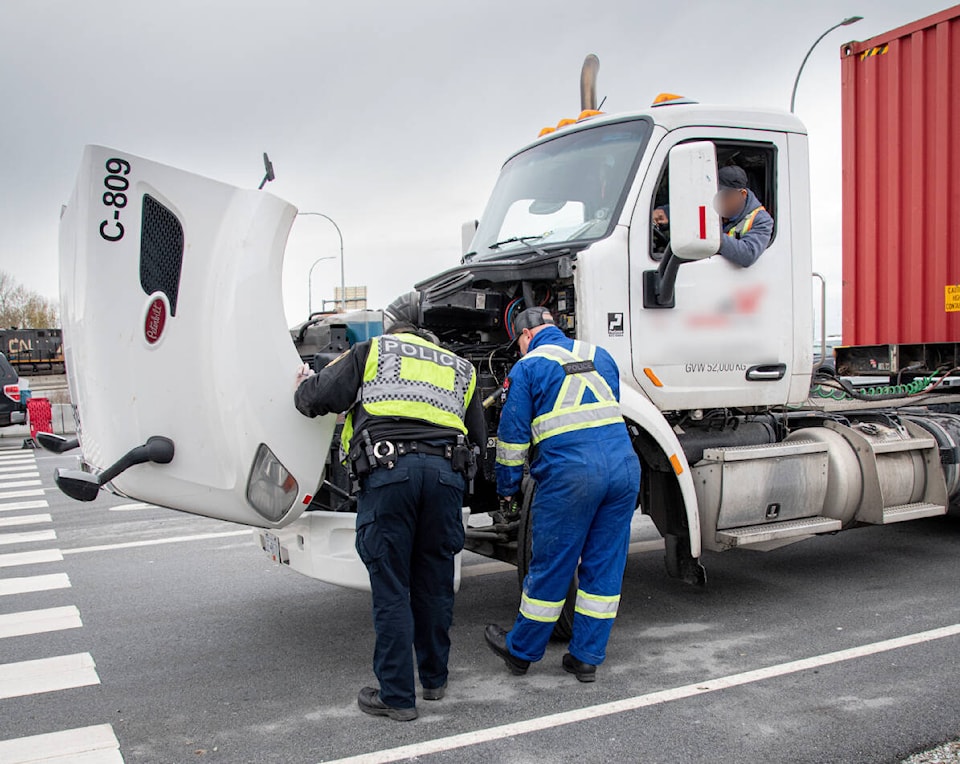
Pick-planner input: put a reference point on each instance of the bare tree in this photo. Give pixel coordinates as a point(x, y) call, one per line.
point(22, 308)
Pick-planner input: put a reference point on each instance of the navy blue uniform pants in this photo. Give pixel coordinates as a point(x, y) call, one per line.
point(409, 527)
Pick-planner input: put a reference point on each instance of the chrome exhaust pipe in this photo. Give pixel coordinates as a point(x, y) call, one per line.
point(588, 83)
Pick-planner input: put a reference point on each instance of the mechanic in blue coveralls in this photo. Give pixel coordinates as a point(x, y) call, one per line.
point(563, 413)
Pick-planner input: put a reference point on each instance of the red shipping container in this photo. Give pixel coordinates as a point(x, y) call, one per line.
point(40, 416)
point(901, 184)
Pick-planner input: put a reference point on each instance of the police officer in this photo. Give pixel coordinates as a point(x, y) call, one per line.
point(746, 223)
point(562, 410)
point(411, 408)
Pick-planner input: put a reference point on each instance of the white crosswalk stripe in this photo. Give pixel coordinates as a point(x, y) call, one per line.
point(47, 675)
point(27, 537)
point(14, 466)
point(18, 457)
point(84, 745)
point(30, 558)
point(39, 621)
point(18, 476)
point(19, 484)
point(20, 494)
point(25, 584)
point(33, 504)
point(24, 520)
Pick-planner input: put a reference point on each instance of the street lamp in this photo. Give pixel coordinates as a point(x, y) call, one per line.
point(343, 282)
point(844, 23)
point(310, 281)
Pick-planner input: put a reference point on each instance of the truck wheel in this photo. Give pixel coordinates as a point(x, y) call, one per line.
point(563, 629)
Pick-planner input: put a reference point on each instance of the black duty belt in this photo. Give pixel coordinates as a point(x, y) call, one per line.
point(416, 447)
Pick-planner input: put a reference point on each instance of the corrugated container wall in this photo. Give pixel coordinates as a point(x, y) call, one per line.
point(901, 184)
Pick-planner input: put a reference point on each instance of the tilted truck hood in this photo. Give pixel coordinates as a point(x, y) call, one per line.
point(174, 326)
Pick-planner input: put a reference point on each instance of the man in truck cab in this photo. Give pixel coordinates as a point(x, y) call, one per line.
point(563, 410)
point(413, 417)
point(747, 225)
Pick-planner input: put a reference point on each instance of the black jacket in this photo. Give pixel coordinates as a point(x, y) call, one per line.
point(334, 389)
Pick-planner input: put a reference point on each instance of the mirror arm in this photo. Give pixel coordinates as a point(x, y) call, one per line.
point(659, 285)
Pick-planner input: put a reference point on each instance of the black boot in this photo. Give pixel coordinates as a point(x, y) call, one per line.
point(585, 672)
point(497, 639)
point(370, 703)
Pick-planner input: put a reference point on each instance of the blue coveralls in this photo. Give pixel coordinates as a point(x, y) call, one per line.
point(588, 478)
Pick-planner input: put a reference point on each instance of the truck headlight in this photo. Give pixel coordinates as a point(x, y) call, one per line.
point(271, 489)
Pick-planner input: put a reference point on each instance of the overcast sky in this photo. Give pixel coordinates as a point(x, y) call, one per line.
point(391, 117)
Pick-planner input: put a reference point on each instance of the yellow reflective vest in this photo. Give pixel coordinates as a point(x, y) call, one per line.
point(746, 223)
point(407, 376)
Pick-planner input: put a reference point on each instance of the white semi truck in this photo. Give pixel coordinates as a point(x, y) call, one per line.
point(180, 363)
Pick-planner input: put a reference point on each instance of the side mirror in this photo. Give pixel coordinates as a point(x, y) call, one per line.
point(467, 232)
point(694, 223)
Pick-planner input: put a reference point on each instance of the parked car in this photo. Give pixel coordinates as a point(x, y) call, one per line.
point(12, 408)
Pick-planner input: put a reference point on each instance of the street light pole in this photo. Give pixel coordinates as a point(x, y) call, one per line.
point(343, 281)
point(844, 23)
point(310, 282)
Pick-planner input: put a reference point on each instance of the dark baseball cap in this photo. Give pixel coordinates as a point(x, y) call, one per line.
point(732, 177)
point(532, 318)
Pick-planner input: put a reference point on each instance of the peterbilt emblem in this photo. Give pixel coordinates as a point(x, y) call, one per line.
point(155, 321)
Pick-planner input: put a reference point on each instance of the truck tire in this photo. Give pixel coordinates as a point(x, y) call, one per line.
point(563, 629)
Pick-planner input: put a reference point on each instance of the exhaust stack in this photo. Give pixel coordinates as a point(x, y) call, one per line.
point(588, 83)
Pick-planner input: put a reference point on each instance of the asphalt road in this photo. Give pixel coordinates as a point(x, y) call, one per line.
point(204, 650)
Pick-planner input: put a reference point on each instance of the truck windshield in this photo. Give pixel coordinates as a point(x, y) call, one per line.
point(568, 189)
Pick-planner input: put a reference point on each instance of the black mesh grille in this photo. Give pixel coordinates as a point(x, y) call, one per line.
point(161, 251)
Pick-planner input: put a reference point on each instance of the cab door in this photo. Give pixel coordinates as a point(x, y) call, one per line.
point(173, 327)
point(728, 340)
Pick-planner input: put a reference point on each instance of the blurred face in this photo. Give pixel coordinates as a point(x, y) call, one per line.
point(660, 217)
point(730, 202)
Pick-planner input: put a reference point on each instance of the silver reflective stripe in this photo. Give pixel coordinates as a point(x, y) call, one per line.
point(512, 454)
point(416, 392)
point(597, 606)
point(540, 610)
point(578, 418)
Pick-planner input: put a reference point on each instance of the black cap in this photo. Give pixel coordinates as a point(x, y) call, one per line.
point(531, 318)
point(732, 177)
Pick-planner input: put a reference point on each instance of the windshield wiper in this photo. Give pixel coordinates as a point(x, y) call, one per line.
point(512, 239)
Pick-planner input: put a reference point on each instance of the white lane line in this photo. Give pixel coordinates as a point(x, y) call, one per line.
point(84, 745)
point(27, 536)
point(27, 584)
point(47, 675)
point(39, 621)
point(489, 734)
point(35, 504)
point(17, 476)
point(489, 568)
point(131, 507)
point(20, 494)
point(30, 558)
point(17, 484)
point(485, 569)
point(155, 542)
point(6, 522)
